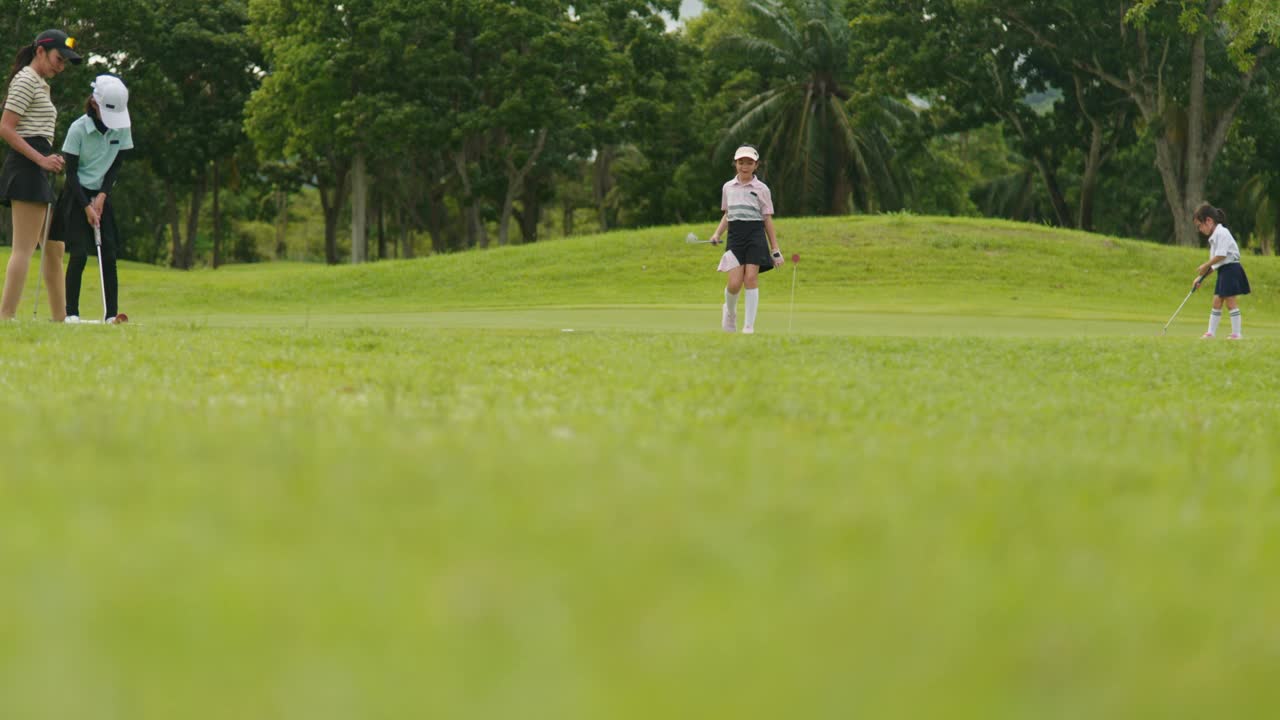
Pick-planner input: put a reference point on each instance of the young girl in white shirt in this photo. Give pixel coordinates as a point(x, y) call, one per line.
point(1224, 256)
point(753, 244)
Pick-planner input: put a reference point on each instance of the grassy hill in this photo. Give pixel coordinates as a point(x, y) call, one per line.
point(884, 264)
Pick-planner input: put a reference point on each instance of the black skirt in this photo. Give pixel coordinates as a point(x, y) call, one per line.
point(748, 243)
point(21, 179)
point(1231, 281)
point(72, 227)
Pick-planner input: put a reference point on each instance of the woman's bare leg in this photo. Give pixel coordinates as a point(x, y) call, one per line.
point(28, 222)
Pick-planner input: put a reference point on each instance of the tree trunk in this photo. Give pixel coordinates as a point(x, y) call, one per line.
point(330, 209)
point(282, 224)
point(1050, 177)
point(476, 233)
point(175, 225)
point(436, 219)
point(841, 194)
point(602, 184)
point(217, 219)
point(1275, 232)
point(406, 239)
point(331, 205)
point(382, 228)
point(1047, 170)
point(568, 218)
point(406, 242)
point(530, 214)
point(359, 210)
point(193, 219)
point(515, 184)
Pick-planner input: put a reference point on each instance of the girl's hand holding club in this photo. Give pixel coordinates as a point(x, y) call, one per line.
point(51, 163)
point(91, 213)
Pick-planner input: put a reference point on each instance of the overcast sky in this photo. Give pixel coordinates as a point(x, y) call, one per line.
point(689, 8)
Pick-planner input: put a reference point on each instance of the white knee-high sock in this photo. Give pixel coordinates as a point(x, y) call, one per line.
point(753, 305)
point(1215, 317)
point(731, 301)
point(1236, 321)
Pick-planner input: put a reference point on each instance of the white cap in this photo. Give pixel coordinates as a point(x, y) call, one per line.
point(746, 151)
point(113, 101)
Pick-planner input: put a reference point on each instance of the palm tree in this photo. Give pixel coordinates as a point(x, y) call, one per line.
point(823, 158)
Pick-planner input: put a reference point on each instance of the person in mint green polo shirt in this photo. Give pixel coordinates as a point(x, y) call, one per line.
point(94, 150)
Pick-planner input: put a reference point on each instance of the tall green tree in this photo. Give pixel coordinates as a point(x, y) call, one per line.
point(1174, 62)
point(820, 156)
point(326, 79)
point(975, 71)
point(631, 87)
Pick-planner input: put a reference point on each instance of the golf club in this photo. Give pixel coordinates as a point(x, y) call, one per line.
point(693, 240)
point(1195, 286)
point(102, 278)
point(795, 267)
point(44, 236)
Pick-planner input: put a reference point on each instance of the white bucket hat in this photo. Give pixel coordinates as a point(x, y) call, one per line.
point(113, 101)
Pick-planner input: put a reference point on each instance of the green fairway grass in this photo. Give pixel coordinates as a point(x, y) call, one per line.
point(539, 482)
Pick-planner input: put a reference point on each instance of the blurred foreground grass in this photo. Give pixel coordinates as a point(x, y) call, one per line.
point(388, 523)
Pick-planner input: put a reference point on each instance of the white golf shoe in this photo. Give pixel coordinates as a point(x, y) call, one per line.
point(748, 330)
point(72, 319)
point(728, 320)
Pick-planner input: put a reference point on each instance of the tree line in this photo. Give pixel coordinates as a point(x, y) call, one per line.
point(403, 127)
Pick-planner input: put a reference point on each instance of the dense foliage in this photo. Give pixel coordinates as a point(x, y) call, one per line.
point(296, 129)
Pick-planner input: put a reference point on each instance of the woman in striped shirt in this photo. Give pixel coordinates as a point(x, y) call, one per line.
point(27, 128)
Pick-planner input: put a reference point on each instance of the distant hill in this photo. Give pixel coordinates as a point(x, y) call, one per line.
point(971, 266)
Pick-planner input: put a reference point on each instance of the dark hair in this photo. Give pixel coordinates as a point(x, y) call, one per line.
point(1206, 211)
point(25, 55)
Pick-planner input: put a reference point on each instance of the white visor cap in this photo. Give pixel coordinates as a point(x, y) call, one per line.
point(746, 151)
point(113, 101)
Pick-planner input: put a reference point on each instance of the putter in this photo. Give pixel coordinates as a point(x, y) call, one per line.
point(44, 236)
point(795, 267)
point(102, 278)
point(693, 240)
point(1194, 287)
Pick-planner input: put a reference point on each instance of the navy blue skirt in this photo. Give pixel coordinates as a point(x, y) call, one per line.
point(21, 179)
point(748, 243)
point(1231, 281)
point(72, 227)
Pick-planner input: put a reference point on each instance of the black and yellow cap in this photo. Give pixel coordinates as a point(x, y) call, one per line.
point(60, 41)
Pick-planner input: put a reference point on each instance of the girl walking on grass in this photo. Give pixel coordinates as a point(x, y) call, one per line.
point(94, 150)
point(753, 245)
point(27, 128)
point(1224, 256)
